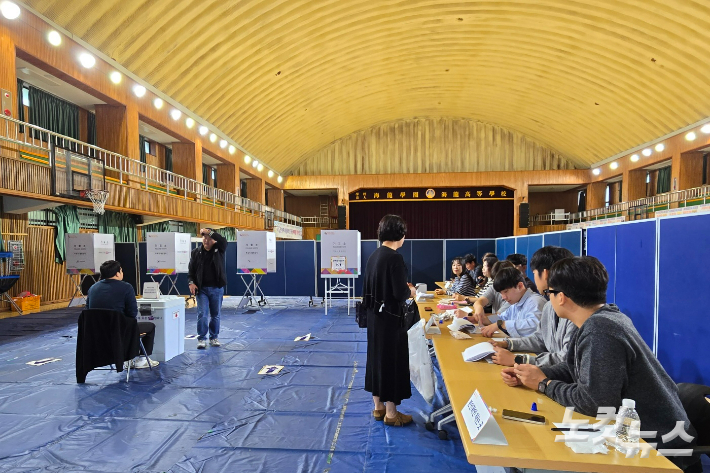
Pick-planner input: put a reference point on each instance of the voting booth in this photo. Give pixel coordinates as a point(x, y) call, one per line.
point(168, 254)
point(340, 263)
point(168, 315)
point(256, 256)
point(85, 253)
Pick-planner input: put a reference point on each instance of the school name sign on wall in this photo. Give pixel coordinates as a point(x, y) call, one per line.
point(432, 193)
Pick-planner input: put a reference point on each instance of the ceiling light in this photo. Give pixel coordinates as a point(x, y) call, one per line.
point(706, 129)
point(189, 122)
point(647, 152)
point(660, 147)
point(596, 171)
point(260, 167)
point(87, 60)
point(271, 173)
point(203, 130)
point(254, 163)
point(232, 149)
point(115, 77)
point(158, 102)
point(614, 165)
point(139, 90)
point(213, 137)
point(222, 144)
point(54, 38)
point(634, 157)
point(279, 179)
point(690, 136)
point(9, 10)
point(247, 159)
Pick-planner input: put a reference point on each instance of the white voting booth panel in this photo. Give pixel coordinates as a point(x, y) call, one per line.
point(340, 253)
point(168, 252)
point(256, 252)
point(168, 315)
point(85, 252)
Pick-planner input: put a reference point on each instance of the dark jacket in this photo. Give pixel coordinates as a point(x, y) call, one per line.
point(112, 294)
point(195, 269)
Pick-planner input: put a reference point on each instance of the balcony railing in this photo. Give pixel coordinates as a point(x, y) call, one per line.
point(551, 218)
point(150, 177)
point(644, 208)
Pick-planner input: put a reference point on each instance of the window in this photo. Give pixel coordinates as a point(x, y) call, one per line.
point(26, 96)
point(146, 147)
point(619, 197)
point(214, 177)
point(607, 193)
point(243, 188)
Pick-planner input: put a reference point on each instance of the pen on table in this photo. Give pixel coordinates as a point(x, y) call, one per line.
point(567, 429)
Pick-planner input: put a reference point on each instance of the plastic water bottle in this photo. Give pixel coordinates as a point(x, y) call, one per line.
point(628, 428)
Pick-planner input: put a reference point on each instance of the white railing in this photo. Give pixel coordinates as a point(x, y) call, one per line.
point(642, 207)
point(551, 218)
point(148, 175)
point(322, 222)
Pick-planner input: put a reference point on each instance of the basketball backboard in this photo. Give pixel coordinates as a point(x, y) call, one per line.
point(73, 173)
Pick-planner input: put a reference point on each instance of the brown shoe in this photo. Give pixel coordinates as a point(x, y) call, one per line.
point(379, 414)
point(398, 420)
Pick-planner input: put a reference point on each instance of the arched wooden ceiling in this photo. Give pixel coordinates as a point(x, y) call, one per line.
point(284, 78)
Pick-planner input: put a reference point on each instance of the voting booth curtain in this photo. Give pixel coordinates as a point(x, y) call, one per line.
point(67, 222)
point(438, 219)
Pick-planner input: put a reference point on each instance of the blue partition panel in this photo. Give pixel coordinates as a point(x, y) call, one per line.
point(406, 252)
point(505, 246)
point(126, 255)
point(274, 284)
point(683, 323)
point(534, 244)
point(367, 247)
point(428, 263)
point(320, 284)
point(570, 239)
point(235, 286)
point(181, 284)
point(454, 248)
point(601, 243)
point(635, 281)
point(300, 269)
point(485, 246)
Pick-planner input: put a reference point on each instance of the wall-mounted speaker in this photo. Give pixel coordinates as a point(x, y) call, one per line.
point(341, 217)
point(524, 215)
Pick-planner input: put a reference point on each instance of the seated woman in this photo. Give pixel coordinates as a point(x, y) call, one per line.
point(463, 284)
point(486, 269)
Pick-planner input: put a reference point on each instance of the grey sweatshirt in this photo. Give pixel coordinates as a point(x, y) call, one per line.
point(608, 361)
point(548, 342)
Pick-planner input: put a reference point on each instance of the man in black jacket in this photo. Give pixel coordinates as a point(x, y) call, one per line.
point(207, 278)
point(112, 293)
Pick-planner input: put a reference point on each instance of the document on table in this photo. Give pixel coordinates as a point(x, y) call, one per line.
point(478, 352)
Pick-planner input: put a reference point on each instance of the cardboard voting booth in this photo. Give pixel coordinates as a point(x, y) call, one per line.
point(256, 252)
point(340, 253)
point(168, 252)
point(85, 252)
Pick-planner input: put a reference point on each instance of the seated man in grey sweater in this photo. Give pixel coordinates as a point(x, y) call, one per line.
point(551, 339)
point(607, 359)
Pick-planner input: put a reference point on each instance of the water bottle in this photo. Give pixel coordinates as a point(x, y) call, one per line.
point(627, 429)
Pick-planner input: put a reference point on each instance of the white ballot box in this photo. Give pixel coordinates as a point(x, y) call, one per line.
point(168, 252)
point(85, 252)
point(256, 252)
point(168, 315)
point(340, 253)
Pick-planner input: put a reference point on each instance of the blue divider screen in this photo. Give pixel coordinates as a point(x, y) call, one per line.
point(505, 246)
point(126, 255)
point(428, 263)
point(300, 269)
point(635, 279)
point(570, 239)
point(456, 247)
point(273, 284)
point(684, 298)
point(367, 247)
point(601, 243)
point(406, 252)
point(181, 284)
point(485, 246)
point(527, 245)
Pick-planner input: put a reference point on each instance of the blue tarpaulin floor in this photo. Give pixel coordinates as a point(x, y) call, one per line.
point(209, 410)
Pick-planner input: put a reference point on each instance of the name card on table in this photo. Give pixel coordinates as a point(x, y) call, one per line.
point(431, 328)
point(482, 426)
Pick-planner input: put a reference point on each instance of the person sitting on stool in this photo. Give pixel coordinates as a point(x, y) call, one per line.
point(112, 293)
point(207, 278)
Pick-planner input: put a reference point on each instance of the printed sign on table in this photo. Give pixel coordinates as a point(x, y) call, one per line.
point(85, 252)
point(482, 426)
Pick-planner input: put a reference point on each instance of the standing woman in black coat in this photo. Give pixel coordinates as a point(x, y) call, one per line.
point(385, 289)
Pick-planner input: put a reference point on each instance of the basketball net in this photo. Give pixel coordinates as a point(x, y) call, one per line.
point(98, 198)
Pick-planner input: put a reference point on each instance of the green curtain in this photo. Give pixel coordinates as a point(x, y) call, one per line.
point(663, 184)
point(190, 227)
point(705, 169)
point(206, 174)
point(67, 222)
point(91, 128)
point(228, 232)
point(54, 114)
point(122, 226)
point(168, 159)
point(142, 140)
point(20, 105)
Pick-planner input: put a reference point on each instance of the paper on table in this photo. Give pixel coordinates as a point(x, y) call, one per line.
point(456, 324)
point(467, 309)
point(584, 442)
point(478, 351)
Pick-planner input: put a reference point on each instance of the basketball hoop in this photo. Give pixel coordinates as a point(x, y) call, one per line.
point(98, 198)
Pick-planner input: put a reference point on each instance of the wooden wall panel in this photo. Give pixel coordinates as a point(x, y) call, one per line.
point(303, 206)
point(432, 146)
point(256, 189)
point(691, 170)
point(112, 128)
point(546, 202)
point(275, 198)
point(228, 178)
point(187, 160)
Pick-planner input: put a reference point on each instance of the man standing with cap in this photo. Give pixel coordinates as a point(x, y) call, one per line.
point(207, 278)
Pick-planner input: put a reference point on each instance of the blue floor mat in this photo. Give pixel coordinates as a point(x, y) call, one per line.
point(209, 410)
